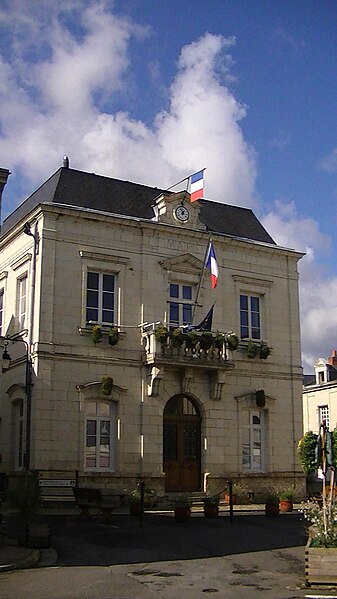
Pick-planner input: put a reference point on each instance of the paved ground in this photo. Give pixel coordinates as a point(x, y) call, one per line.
point(253, 558)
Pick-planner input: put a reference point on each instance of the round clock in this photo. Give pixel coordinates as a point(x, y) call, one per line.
point(181, 213)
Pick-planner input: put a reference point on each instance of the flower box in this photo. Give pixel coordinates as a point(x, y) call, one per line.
point(320, 565)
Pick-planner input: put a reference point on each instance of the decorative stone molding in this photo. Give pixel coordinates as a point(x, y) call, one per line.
point(186, 380)
point(154, 378)
point(217, 382)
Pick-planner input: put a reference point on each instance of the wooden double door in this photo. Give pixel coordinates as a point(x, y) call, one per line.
point(182, 445)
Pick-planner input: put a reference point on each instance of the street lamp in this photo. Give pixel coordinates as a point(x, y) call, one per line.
point(6, 360)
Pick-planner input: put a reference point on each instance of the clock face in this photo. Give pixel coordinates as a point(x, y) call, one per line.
point(181, 213)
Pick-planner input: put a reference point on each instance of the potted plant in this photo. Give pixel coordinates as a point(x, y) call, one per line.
point(107, 385)
point(96, 334)
point(136, 497)
point(272, 504)
point(177, 338)
point(161, 334)
point(113, 336)
point(206, 340)
point(286, 500)
point(211, 506)
point(251, 349)
point(264, 350)
point(219, 340)
point(182, 508)
point(232, 340)
point(191, 339)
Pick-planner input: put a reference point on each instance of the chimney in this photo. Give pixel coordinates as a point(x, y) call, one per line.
point(332, 360)
point(4, 173)
point(65, 162)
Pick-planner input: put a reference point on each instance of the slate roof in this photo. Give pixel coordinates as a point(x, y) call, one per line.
point(87, 190)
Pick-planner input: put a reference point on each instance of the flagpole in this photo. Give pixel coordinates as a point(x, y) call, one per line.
point(201, 278)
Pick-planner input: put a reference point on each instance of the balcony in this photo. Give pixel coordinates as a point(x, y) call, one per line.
point(200, 349)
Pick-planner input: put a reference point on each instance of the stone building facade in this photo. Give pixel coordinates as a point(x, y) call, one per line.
point(85, 250)
point(320, 395)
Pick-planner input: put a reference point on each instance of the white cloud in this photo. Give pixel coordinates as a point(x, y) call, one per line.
point(329, 163)
point(318, 294)
point(59, 107)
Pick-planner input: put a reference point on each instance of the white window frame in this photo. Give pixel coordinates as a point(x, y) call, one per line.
point(100, 292)
point(22, 299)
point(252, 429)
point(323, 414)
point(249, 325)
point(98, 419)
point(181, 302)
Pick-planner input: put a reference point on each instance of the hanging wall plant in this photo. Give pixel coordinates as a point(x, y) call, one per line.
point(107, 385)
point(113, 336)
point(264, 351)
point(96, 334)
point(251, 349)
point(232, 341)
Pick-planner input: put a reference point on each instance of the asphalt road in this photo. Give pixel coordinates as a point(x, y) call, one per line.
point(252, 558)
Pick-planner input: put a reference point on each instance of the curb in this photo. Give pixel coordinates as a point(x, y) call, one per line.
point(28, 562)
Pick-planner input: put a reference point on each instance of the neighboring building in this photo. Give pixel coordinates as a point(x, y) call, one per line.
point(100, 250)
point(320, 395)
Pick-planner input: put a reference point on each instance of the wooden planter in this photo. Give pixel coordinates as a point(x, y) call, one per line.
point(211, 510)
point(320, 565)
point(182, 513)
point(286, 505)
point(272, 509)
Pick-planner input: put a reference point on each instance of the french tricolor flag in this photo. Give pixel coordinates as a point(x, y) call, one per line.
point(197, 185)
point(212, 264)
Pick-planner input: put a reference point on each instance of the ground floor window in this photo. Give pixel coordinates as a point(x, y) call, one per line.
point(18, 434)
point(99, 435)
point(253, 445)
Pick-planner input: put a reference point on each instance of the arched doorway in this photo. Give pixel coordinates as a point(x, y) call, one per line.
point(182, 444)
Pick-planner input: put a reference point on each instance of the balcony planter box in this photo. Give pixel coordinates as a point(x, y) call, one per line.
point(320, 565)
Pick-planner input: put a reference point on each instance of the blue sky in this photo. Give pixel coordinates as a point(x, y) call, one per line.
point(245, 88)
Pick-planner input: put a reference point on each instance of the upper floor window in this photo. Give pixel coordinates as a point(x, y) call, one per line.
point(99, 435)
point(21, 300)
point(250, 317)
point(253, 441)
point(2, 292)
point(180, 305)
point(100, 299)
point(323, 415)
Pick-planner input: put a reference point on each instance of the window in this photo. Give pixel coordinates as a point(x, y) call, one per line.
point(21, 300)
point(19, 434)
point(1, 309)
point(323, 415)
point(181, 305)
point(99, 435)
point(100, 300)
point(253, 440)
point(250, 326)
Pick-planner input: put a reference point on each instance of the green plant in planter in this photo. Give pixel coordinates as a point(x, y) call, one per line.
point(177, 337)
point(191, 339)
point(287, 494)
point(219, 340)
point(264, 351)
point(232, 341)
point(251, 349)
point(206, 340)
point(107, 385)
point(113, 336)
point(161, 334)
point(212, 500)
point(96, 334)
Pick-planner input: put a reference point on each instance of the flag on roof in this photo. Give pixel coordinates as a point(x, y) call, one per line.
point(212, 264)
point(197, 185)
